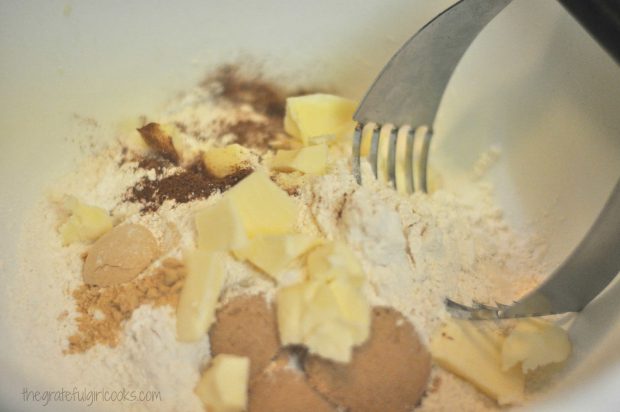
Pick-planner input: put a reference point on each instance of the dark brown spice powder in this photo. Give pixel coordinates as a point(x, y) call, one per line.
point(191, 183)
point(264, 97)
point(155, 163)
point(253, 134)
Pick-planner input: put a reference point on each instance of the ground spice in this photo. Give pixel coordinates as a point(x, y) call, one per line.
point(102, 310)
point(254, 134)
point(265, 98)
point(158, 164)
point(193, 182)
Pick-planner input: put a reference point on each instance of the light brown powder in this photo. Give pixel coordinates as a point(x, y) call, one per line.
point(102, 310)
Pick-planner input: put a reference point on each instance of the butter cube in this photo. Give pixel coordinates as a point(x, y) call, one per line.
point(328, 140)
point(223, 161)
point(310, 160)
point(320, 306)
point(334, 260)
point(224, 386)
point(331, 339)
point(328, 313)
point(220, 227)
point(472, 350)
point(200, 293)
point(534, 343)
point(291, 304)
point(353, 309)
point(318, 115)
point(274, 253)
point(265, 209)
point(85, 223)
point(329, 319)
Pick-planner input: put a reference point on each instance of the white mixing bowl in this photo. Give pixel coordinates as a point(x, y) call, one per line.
point(534, 84)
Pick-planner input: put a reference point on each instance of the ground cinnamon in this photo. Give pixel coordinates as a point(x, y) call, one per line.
point(265, 98)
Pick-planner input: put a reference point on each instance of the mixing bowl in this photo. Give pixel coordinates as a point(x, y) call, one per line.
point(534, 85)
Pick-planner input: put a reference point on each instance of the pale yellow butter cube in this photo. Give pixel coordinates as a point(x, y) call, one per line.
point(330, 319)
point(331, 339)
point(265, 209)
point(220, 227)
point(310, 160)
point(290, 305)
point(200, 293)
point(224, 385)
point(274, 253)
point(325, 139)
point(334, 260)
point(318, 115)
point(85, 223)
point(534, 343)
point(223, 161)
point(335, 320)
point(320, 306)
point(354, 309)
point(472, 350)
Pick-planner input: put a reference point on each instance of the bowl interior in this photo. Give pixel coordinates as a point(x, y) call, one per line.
point(534, 84)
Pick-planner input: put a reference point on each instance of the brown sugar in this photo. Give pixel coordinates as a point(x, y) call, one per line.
point(102, 310)
point(191, 183)
point(119, 255)
point(246, 326)
point(282, 389)
point(387, 373)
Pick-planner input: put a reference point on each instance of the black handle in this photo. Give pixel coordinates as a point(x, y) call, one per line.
point(601, 18)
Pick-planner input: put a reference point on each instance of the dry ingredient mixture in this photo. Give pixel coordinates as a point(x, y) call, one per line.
point(102, 311)
point(415, 251)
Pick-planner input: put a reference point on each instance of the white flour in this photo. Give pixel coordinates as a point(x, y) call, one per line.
point(416, 250)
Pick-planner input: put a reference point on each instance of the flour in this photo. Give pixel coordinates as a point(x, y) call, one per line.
point(168, 366)
point(416, 250)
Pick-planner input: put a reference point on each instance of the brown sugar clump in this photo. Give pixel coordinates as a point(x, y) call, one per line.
point(120, 255)
point(102, 310)
point(387, 373)
point(281, 389)
point(246, 326)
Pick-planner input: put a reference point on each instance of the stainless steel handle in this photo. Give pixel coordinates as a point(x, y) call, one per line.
point(592, 266)
point(587, 271)
point(601, 18)
point(410, 87)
